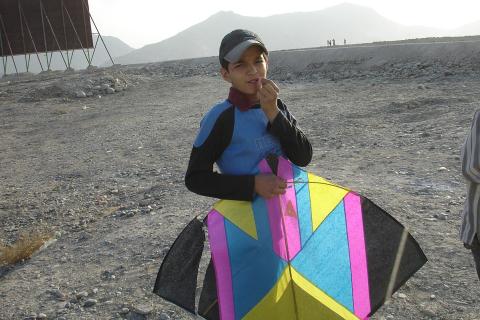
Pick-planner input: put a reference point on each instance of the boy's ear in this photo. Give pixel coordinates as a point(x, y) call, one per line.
point(225, 74)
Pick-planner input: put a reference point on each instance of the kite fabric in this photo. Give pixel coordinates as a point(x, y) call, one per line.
point(177, 277)
point(320, 251)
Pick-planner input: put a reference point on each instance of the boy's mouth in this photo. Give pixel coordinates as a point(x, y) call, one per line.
point(253, 81)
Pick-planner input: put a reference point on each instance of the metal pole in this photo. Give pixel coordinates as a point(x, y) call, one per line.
point(95, 46)
point(86, 39)
point(78, 37)
point(4, 63)
point(54, 37)
point(9, 47)
point(27, 62)
point(51, 56)
point(65, 34)
point(31, 39)
point(44, 35)
point(101, 38)
point(71, 57)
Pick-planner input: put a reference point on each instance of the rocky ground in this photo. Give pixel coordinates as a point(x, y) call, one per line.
point(97, 157)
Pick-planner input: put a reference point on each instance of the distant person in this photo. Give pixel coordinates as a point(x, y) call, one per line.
point(333, 42)
point(344, 42)
point(471, 171)
point(329, 43)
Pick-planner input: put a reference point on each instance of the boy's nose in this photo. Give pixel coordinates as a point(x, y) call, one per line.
point(252, 69)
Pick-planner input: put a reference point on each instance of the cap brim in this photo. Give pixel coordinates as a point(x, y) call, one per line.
point(236, 53)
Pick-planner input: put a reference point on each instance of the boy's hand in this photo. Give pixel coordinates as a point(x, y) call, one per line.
point(267, 93)
point(269, 185)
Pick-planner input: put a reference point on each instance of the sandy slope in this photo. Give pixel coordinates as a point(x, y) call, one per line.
point(107, 173)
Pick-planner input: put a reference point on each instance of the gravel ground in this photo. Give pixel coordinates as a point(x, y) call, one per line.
point(98, 157)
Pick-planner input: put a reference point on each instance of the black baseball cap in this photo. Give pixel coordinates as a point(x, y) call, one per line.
point(235, 43)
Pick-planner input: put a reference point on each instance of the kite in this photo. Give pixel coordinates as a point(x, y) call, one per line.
point(320, 251)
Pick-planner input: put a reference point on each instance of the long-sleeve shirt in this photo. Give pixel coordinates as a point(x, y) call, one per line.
point(471, 171)
point(237, 140)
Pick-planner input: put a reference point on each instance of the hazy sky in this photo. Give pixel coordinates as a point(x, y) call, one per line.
point(142, 22)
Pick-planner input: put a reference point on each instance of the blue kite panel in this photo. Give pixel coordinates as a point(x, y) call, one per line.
point(325, 259)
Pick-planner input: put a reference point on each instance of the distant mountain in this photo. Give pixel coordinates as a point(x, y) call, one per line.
point(115, 46)
point(356, 24)
point(468, 29)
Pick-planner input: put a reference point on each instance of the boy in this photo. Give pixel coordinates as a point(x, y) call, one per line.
point(471, 171)
point(242, 130)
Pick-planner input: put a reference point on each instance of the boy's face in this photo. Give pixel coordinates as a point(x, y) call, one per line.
point(245, 74)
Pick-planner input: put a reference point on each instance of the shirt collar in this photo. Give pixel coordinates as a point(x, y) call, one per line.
point(239, 100)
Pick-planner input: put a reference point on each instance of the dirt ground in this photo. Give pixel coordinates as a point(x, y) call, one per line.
point(104, 173)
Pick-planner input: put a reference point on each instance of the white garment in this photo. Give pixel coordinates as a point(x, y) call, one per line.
point(471, 172)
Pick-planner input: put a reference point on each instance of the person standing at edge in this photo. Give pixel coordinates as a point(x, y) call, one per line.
point(239, 132)
point(471, 171)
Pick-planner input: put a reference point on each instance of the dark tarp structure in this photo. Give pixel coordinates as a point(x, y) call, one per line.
point(33, 26)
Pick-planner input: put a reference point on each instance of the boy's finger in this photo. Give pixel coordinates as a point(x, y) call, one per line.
point(261, 94)
point(270, 82)
point(269, 89)
point(259, 83)
point(275, 87)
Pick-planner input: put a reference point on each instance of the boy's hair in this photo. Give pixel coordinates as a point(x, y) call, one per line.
point(235, 43)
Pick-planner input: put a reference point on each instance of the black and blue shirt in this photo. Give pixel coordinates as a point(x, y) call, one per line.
point(237, 140)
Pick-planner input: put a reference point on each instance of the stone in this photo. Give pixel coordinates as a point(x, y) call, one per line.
point(143, 310)
point(82, 294)
point(144, 202)
point(428, 311)
point(59, 295)
point(107, 274)
point(164, 316)
point(441, 216)
point(118, 86)
point(80, 94)
point(90, 303)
